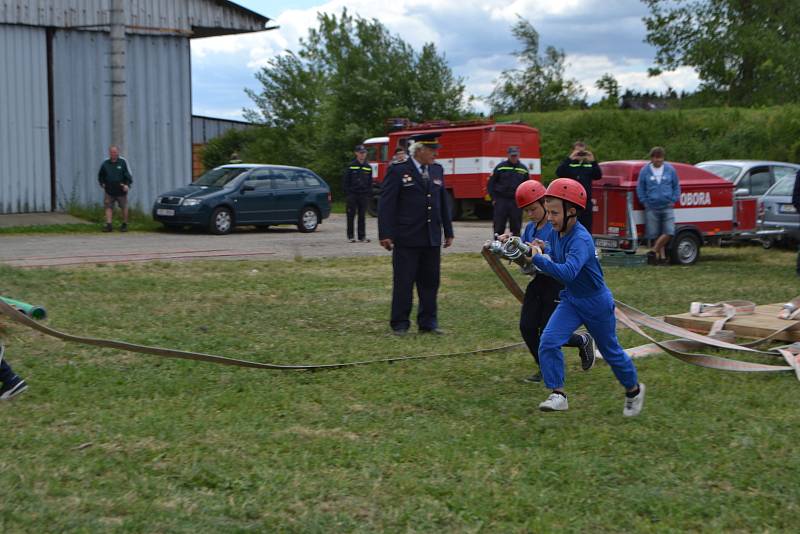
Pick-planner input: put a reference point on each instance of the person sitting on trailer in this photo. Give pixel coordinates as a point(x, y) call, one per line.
point(658, 190)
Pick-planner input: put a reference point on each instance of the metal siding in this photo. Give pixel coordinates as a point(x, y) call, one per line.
point(179, 15)
point(204, 129)
point(24, 158)
point(159, 118)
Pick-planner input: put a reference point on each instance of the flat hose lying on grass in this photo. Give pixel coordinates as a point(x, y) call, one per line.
point(23, 319)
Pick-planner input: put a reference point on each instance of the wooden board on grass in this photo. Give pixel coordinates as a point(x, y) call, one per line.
point(760, 324)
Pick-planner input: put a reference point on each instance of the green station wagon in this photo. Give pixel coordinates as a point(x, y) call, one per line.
point(247, 194)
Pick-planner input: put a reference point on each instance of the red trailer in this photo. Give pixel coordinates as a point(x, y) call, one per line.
point(705, 213)
point(469, 153)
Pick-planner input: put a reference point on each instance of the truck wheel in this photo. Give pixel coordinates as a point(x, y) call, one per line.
point(454, 206)
point(684, 249)
point(372, 206)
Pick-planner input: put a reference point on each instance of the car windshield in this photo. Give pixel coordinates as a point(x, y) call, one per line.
point(219, 177)
point(783, 188)
point(728, 172)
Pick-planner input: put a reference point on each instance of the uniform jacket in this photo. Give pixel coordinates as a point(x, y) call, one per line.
point(410, 213)
point(796, 192)
point(357, 178)
point(655, 195)
point(112, 175)
point(505, 179)
point(580, 171)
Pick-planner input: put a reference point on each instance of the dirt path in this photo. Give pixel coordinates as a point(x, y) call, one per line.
point(283, 242)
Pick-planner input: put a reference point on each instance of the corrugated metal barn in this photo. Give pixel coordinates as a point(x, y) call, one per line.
point(70, 87)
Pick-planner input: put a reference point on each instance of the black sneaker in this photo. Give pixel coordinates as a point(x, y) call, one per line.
point(124, 227)
point(108, 227)
point(535, 377)
point(13, 388)
point(586, 352)
point(351, 239)
point(652, 259)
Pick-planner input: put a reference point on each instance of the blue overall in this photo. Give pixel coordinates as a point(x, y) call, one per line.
point(585, 300)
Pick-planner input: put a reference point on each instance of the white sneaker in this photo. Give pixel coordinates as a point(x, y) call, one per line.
point(554, 403)
point(634, 405)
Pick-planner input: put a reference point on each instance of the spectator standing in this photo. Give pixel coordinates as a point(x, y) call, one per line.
point(796, 204)
point(115, 179)
point(412, 216)
point(582, 167)
point(502, 186)
point(658, 190)
point(357, 185)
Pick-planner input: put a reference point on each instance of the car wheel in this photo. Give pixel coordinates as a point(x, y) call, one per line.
point(221, 221)
point(684, 249)
point(767, 243)
point(308, 220)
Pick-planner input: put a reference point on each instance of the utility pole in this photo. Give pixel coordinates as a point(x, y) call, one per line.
point(118, 85)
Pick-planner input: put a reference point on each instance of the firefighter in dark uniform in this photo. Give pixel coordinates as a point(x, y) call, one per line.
point(412, 215)
point(502, 186)
point(582, 167)
point(357, 185)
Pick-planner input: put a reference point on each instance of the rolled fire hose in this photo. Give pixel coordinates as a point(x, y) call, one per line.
point(37, 312)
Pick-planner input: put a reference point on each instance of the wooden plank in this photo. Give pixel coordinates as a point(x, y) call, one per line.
point(760, 324)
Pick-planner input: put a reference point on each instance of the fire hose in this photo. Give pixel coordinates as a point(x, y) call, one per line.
point(687, 340)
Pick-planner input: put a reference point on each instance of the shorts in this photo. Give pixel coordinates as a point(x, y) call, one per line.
point(659, 221)
point(121, 201)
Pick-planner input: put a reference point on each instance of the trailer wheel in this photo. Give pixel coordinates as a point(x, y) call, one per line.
point(684, 248)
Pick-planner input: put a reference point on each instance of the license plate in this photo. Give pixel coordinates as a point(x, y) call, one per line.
point(165, 212)
point(605, 243)
point(787, 208)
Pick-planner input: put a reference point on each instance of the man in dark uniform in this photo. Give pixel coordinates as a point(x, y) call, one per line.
point(796, 204)
point(412, 213)
point(502, 187)
point(357, 184)
point(582, 167)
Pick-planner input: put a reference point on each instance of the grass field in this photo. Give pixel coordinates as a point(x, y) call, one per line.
point(106, 441)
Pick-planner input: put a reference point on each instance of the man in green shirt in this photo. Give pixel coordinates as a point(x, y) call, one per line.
point(115, 179)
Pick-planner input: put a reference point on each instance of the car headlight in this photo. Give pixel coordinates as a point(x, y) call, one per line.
point(191, 202)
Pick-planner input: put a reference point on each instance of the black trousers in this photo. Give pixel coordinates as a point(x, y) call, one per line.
point(6, 374)
point(357, 204)
point(540, 302)
point(415, 266)
point(798, 260)
point(505, 209)
point(585, 218)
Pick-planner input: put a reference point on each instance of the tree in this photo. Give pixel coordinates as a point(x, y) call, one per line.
point(540, 84)
point(743, 50)
point(610, 86)
point(348, 77)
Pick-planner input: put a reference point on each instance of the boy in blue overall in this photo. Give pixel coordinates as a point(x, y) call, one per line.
point(11, 384)
point(585, 300)
point(541, 295)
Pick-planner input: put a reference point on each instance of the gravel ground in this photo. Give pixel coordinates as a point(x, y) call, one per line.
point(282, 242)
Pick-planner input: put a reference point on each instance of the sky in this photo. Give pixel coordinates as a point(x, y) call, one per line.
point(598, 37)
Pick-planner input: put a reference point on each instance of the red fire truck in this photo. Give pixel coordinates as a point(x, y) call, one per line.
point(705, 213)
point(469, 152)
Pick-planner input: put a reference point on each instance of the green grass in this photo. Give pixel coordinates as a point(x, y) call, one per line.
point(112, 441)
point(94, 217)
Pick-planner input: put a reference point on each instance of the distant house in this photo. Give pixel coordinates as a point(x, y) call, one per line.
point(78, 75)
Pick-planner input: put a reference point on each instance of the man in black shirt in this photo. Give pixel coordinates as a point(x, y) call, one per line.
point(582, 167)
point(502, 187)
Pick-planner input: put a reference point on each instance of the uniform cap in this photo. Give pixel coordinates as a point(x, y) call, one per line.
point(529, 192)
point(360, 148)
point(430, 140)
point(569, 190)
point(513, 151)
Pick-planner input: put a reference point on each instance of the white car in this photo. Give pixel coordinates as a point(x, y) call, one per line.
point(750, 177)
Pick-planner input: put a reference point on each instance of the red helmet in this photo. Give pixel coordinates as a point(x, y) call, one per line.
point(529, 192)
point(567, 189)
